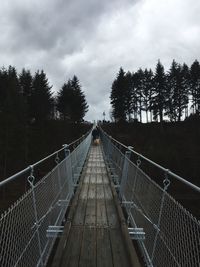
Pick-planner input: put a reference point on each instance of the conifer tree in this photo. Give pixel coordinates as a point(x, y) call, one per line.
point(129, 94)
point(174, 93)
point(118, 96)
point(159, 98)
point(26, 88)
point(71, 102)
point(185, 72)
point(195, 85)
point(134, 96)
point(79, 105)
point(41, 100)
point(139, 85)
point(147, 91)
point(12, 119)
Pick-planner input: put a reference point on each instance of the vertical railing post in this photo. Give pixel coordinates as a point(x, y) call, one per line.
point(109, 149)
point(31, 180)
point(69, 168)
point(57, 160)
point(66, 150)
point(125, 172)
point(138, 163)
point(166, 183)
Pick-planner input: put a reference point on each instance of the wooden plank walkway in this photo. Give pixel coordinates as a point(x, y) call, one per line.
point(95, 234)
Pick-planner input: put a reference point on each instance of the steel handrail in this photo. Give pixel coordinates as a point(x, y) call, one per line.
point(30, 167)
point(193, 186)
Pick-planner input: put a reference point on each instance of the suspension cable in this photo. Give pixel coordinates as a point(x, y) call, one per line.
point(27, 169)
point(181, 179)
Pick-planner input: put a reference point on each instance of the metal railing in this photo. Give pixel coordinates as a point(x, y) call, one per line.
point(167, 234)
point(29, 228)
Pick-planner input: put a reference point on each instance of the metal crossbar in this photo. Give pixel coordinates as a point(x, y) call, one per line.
point(170, 234)
point(25, 228)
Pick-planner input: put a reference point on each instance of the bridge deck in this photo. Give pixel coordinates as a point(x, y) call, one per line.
point(93, 234)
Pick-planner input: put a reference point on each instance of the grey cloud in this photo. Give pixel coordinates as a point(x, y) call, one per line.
point(92, 39)
point(58, 24)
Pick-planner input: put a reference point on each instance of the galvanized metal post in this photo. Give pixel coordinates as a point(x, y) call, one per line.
point(125, 171)
point(69, 168)
point(166, 183)
point(66, 151)
point(31, 180)
point(57, 160)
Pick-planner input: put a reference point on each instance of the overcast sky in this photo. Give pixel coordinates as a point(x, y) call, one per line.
point(93, 38)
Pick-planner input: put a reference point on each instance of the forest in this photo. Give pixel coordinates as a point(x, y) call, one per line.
point(147, 96)
point(35, 122)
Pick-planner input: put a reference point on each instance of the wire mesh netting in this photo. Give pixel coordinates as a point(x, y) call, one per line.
point(24, 239)
point(172, 234)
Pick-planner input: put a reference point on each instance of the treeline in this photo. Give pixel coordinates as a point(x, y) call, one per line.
point(31, 97)
point(173, 95)
point(29, 112)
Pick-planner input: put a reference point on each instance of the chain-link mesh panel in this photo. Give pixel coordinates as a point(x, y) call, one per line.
point(24, 240)
point(172, 234)
point(114, 156)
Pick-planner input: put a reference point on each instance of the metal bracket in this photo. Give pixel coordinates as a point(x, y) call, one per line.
point(115, 178)
point(76, 176)
point(112, 170)
point(54, 231)
point(136, 233)
point(63, 202)
point(127, 204)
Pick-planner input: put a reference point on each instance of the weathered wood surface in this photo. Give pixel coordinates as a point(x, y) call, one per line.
point(95, 237)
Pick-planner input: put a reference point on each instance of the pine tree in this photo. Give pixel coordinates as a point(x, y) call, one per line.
point(118, 96)
point(185, 72)
point(195, 86)
point(26, 89)
point(64, 100)
point(134, 96)
point(71, 102)
point(139, 86)
point(128, 95)
point(12, 119)
point(41, 100)
point(80, 106)
point(147, 91)
point(177, 95)
point(159, 98)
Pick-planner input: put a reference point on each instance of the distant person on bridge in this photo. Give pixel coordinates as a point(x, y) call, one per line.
point(95, 136)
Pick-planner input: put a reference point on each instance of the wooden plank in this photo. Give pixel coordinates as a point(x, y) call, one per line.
point(99, 179)
point(100, 191)
point(107, 192)
point(113, 220)
point(104, 252)
point(79, 216)
point(60, 248)
point(120, 257)
point(93, 178)
point(89, 170)
point(101, 216)
point(101, 170)
point(105, 179)
point(90, 214)
point(92, 191)
point(84, 191)
point(86, 179)
point(88, 251)
point(72, 250)
point(96, 238)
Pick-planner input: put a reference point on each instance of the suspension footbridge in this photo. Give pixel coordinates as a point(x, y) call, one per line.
point(97, 207)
